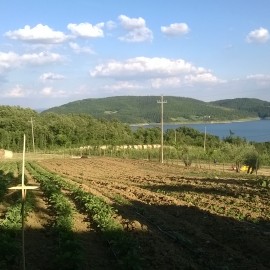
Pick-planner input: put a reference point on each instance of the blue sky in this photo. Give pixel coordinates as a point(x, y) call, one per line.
point(55, 52)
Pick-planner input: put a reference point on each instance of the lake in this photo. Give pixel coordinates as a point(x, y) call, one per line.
point(258, 131)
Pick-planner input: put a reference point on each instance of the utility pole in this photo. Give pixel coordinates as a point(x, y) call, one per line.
point(204, 141)
point(33, 138)
point(161, 102)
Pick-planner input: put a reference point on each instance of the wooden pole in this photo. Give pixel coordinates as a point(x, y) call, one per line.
point(23, 201)
point(23, 188)
point(161, 102)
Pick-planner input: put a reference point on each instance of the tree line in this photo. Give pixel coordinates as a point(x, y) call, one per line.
point(52, 131)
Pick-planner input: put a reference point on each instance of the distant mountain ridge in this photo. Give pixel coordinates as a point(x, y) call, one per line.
point(145, 109)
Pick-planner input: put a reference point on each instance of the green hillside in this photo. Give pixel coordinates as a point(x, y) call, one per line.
point(145, 109)
point(250, 105)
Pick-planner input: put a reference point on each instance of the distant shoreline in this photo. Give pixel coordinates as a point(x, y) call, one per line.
point(198, 122)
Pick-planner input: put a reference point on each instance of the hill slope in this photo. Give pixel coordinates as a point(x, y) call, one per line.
point(251, 105)
point(145, 109)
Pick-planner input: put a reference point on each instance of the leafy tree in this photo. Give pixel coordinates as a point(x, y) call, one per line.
point(251, 159)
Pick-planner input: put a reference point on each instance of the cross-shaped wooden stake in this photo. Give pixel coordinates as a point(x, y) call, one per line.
point(23, 188)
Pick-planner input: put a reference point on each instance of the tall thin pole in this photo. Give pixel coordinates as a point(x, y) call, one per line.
point(23, 188)
point(33, 137)
point(204, 141)
point(23, 201)
point(161, 122)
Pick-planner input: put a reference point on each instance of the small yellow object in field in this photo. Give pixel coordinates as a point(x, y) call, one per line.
point(244, 168)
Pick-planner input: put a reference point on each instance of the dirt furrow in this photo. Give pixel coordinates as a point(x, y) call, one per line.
point(186, 209)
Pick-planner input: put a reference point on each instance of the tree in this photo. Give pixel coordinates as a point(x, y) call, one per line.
point(251, 159)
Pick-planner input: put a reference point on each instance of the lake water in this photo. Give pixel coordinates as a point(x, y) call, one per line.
point(258, 131)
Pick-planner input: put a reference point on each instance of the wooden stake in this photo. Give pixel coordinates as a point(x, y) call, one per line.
point(23, 188)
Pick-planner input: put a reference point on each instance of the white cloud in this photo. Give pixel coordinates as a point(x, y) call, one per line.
point(40, 58)
point(137, 30)
point(143, 66)
point(51, 77)
point(175, 29)
point(38, 34)
point(261, 80)
point(78, 49)
point(8, 60)
point(260, 35)
point(152, 74)
point(265, 77)
point(50, 92)
point(111, 25)
point(131, 23)
point(47, 91)
point(202, 78)
point(171, 82)
point(86, 30)
point(11, 60)
point(122, 85)
point(190, 80)
point(16, 92)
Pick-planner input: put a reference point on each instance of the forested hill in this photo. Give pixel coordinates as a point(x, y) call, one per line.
point(146, 109)
point(251, 105)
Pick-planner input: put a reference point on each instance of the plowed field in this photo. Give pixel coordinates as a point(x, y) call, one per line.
point(180, 218)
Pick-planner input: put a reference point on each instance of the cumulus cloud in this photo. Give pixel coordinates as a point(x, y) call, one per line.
point(80, 49)
point(175, 29)
point(40, 58)
point(136, 29)
point(11, 60)
point(51, 77)
point(8, 60)
point(38, 34)
point(144, 66)
point(153, 73)
point(86, 30)
point(260, 35)
point(131, 23)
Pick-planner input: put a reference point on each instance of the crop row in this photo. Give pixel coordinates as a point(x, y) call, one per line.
point(11, 220)
point(68, 248)
point(103, 215)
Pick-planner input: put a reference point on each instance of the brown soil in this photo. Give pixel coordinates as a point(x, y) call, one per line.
point(40, 241)
point(199, 218)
